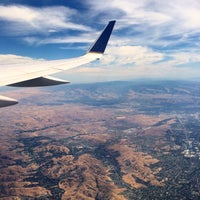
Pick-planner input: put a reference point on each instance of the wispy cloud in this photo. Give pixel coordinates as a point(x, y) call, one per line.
point(81, 38)
point(151, 22)
point(29, 20)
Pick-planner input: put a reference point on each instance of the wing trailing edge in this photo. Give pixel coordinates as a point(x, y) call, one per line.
point(40, 82)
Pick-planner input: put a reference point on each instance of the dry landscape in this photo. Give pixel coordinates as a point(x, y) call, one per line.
point(57, 147)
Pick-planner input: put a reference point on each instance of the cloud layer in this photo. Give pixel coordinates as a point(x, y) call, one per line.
point(151, 38)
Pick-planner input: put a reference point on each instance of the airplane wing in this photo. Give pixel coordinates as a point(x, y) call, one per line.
point(37, 74)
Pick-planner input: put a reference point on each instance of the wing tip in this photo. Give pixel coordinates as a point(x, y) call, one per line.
point(100, 44)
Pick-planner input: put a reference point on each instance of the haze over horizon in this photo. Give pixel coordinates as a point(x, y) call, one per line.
point(152, 39)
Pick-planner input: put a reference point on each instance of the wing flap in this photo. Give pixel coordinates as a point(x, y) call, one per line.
point(39, 82)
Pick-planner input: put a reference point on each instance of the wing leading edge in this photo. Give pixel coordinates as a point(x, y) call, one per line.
point(37, 73)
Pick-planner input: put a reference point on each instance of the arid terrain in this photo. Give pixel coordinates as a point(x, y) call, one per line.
point(103, 141)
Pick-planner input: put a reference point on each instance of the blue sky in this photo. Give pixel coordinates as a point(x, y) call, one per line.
point(152, 39)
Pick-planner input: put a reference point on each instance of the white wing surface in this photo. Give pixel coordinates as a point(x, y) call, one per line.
point(37, 74)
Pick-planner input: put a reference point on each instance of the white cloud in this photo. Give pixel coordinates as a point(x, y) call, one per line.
point(183, 58)
point(131, 12)
point(151, 12)
point(135, 55)
point(152, 22)
point(81, 38)
point(7, 59)
point(128, 62)
point(26, 20)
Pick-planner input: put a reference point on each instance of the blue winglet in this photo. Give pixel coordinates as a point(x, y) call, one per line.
point(101, 43)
